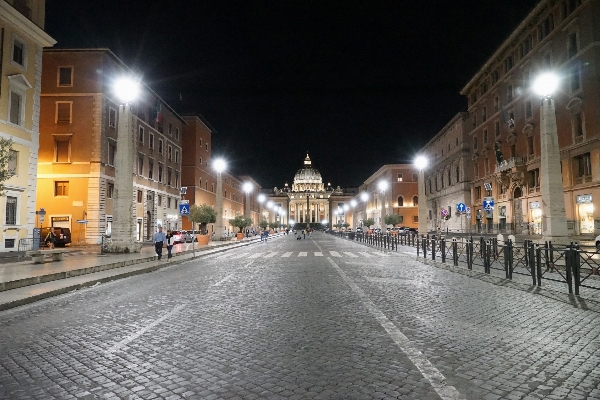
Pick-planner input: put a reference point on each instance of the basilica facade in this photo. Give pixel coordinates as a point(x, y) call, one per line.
point(308, 201)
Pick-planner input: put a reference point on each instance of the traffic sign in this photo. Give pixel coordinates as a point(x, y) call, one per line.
point(468, 210)
point(488, 204)
point(82, 221)
point(184, 209)
point(461, 207)
point(444, 212)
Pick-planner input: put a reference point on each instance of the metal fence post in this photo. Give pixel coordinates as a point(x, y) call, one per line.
point(577, 270)
point(569, 258)
point(455, 252)
point(538, 263)
point(433, 248)
point(531, 261)
point(470, 253)
point(506, 255)
point(443, 248)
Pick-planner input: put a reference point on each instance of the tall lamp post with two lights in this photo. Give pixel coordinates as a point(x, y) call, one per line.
point(553, 200)
point(247, 187)
point(382, 185)
point(127, 90)
point(421, 163)
point(219, 166)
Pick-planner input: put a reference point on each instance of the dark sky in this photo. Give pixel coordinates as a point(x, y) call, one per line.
point(356, 84)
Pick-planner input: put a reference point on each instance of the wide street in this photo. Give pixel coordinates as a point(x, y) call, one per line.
point(320, 318)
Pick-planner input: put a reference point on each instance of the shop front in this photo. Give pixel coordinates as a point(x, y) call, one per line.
point(535, 218)
point(585, 213)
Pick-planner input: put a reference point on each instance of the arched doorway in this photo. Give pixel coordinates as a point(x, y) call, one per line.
point(148, 225)
point(517, 210)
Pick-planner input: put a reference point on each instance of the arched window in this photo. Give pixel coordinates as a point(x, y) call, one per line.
point(415, 201)
point(400, 201)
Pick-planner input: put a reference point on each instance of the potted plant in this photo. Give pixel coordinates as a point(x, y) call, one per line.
point(202, 214)
point(273, 225)
point(241, 222)
point(392, 219)
point(368, 222)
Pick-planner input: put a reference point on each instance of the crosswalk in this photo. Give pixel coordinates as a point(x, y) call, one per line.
point(292, 254)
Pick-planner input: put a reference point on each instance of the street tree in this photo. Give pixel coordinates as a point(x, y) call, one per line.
point(368, 222)
point(202, 214)
point(241, 222)
point(392, 219)
point(263, 224)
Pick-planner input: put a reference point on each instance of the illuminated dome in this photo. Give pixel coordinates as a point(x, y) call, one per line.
point(308, 179)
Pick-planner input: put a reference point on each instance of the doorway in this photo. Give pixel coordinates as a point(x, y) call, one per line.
point(148, 225)
point(517, 211)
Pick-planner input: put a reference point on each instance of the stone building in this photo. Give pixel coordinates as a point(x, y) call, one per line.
point(22, 41)
point(78, 143)
point(559, 36)
point(448, 176)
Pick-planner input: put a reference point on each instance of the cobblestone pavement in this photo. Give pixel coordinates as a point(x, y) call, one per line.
point(291, 319)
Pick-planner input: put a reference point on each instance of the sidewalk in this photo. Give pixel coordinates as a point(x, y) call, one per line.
point(25, 282)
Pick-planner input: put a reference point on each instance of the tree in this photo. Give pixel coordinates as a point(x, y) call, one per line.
point(241, 222)
point(6, 155)
point(263, 224)
point(368, 222)
point(273, 225)
point(202, 214)
point(392, 219)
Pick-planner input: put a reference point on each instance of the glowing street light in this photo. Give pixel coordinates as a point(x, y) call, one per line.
point(219, 165)
point(421, 163)
point(353, 203)
point(247, 187)
point(383, 185)
point(546, 84)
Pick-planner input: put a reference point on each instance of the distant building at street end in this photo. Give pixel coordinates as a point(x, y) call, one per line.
point(23, 39)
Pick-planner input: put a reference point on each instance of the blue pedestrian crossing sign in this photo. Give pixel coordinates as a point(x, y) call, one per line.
point(461, 207)
point(488, 205)
point(184, 209)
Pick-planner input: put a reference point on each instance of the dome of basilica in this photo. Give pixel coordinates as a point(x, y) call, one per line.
point(308, 178)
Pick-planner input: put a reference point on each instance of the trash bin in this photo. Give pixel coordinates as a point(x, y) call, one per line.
point(36, 239)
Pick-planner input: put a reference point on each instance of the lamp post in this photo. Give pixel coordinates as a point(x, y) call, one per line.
point(382, 185)
point(554, 224)
point(364, 196)
point(123, 233)
point(247, 187)
point(421, 163)
point(219, 166)
point(261, 199)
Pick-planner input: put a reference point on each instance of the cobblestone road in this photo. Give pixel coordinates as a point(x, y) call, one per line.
point(314, 319)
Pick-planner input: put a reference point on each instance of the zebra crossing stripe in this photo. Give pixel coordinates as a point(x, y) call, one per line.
point(335, 254)
point(286, 254)
point(272, 254)
point(318, 254)
point(350, 254)
point(364, 253)
point(236, 256)
point(302, 254)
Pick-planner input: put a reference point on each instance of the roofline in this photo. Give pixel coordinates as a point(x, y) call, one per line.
point(442, 131)
point(119, 61)
point(384, 168)
point(202, 119)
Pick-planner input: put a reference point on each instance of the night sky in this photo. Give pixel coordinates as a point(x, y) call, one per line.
point(356, 84)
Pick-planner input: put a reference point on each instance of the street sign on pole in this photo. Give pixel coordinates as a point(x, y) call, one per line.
point(184, 209)
point(488, 204)
point(461, 207)
point(82, 221)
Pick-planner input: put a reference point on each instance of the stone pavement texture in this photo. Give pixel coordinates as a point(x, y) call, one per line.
point(361, 325)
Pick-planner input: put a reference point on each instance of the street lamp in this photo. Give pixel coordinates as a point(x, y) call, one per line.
point(421, 163)
point(219, 165)
point(553, 200)
point(382, 185)
point(126, 90)
point(247, 187)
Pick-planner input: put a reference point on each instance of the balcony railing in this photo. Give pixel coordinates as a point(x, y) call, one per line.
point(509, 164)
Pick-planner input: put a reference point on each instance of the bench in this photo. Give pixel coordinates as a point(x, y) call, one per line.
point(40, 255)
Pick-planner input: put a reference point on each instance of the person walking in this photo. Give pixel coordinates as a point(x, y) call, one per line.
point(303, 233)
point(170, 242)
point(266, 236)
point(158, 240)
point(50, 239)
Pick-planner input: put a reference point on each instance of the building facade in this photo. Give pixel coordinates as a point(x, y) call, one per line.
point(399, 195)
point(448, 176)
point(558, 36)
point(22, 39)
point(78, 144)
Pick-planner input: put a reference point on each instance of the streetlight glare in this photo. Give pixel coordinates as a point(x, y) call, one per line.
point(364, 196)
point(219, 165)
point(127, 89)
point(421, 162)
point(353, 203)
point(383, 185)
point(346, 207)
point(247, 187)
point(261, 198)
point(546, 84)
point(270, 204)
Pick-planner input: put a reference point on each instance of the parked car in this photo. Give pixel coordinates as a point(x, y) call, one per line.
point(359, 230)
point(178, 237)
point(62, 236)
point(597, 241)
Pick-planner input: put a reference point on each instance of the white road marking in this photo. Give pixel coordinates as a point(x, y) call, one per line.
point(432, 374)
point(255, 255)
point(145, 329)
point(302, 254)
point(234, 257)
point(271, 254)
point(287, 254)
point(335, 254)
point(318, 254)
point(222, 281)
point(351, 255)
point(364, 253)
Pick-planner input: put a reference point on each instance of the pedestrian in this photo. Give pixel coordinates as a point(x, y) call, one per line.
point(159, 239)
point(303, 233)
point(266, 236)
point(50, 239)
point(170, 242)
point(310, 232)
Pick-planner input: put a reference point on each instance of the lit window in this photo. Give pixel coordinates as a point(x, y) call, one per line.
point(61, 188)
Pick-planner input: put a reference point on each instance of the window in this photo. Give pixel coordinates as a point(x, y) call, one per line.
point(572, 44)
point(415, 178)
point(150, 169)
point(530, 148)
point(160, 173)
point(474, 120)
point(140, 165)
point(513, 151)
point(526, 78)
point(400, 201)
point(496, 104)
point(575, 79)
point(176, 156)
point(62, 151)
point(206, 146)
point(569, 6)
point(457, 173)
point(484, 114)
point(533, 178)
point(509, 93)
point(170, 129)
point(528, 109)
point(110, 190)
point(415, 219)
point(19, 50)
point(112, 117)
point(170, 152)
point(415, 201)
point(141, 134)
point(168, 202)
point(546, 27)
point(176, 133)
point(509, 63)
point(65, 76)
point(577, 121)
point(151, 140)
point(61, 188)
point(485, 136)
point(112, 152)
point(13, 162)
point(478, 193)
point(399, 177)
point(497, 128)
point(160, 146)
point(212, 187)
point(449, 174)
point(140, 196)
point(159, 200)
point(16, 108)
point(177, 179)
point(200, 182)
point(63, 112)
point(11, 210)
point(475, 143)
point(200, 160)
point(486, 166)
point(495, 77)
point(169, 173)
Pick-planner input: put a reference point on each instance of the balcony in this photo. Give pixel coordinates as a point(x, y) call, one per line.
point(510, 164)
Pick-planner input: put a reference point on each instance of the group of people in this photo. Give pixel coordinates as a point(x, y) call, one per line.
point(160, 240)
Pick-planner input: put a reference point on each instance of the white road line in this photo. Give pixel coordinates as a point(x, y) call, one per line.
point(302, 254)
point(238, 256)
point(145, 329)
point(432, 374)
point(335, 254)
point(364, 253)
point(255, 255)
point(222, 281)
point(318, 254)
point(271, 254)
point(351, 255)
point(286, 254)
